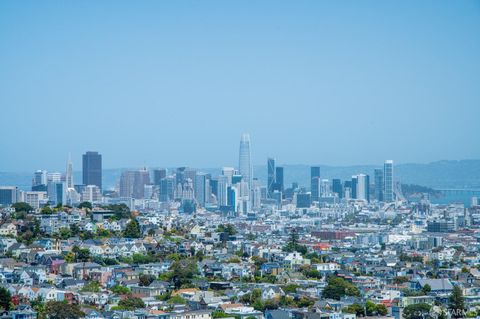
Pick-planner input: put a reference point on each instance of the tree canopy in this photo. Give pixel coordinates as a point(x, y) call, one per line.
point(132, 230)
point(338, 287)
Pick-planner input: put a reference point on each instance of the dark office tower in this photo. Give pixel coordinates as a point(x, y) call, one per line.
point(388, 181)
point(92, 169)
point(378, 184)
point(270, 176)
point(180, 175)
point(315, 182)
point(214, 186)
point(354, 187)
point(158, 175)
point(279, 186)
point(304, 200)
point(167, 189)
point(337, 187)
point(141, 178)
point(8, 195)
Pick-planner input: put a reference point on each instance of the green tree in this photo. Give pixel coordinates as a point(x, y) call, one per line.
point(293, 244)
point(228, 228)
point(338, 287)
point(47, 210)
point(22, 207)
point(120, 290)
point(131, 303)
point(290, 288)
point(400, 280)
point(5, 298)
point(183, 271)
point(305, 302)
point(355, 308)
point(426, 289)
point(91, 286)
point(456, 303)
point(62, 310)
point(132, 230)
point(371, 308)
point(416, 311)
point(85, 205)
point(145, 280)
point(121, 210)
point(382, 309)
point(81, 254)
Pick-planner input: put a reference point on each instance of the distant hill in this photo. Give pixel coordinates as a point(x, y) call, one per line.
point(464, 174)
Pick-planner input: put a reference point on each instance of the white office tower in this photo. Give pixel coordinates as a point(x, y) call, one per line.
point(243, 196)
point(228, 172)
point(91, 193)
point(40, 178)
point(222, 190)
point(362, 187)
point(202, 189)
point(256, 194)
point(325, 188)
point(73, 197)
point(388, 181)
point(69, 173)
point(55, 177)
point(34, 199)
point(244, 160)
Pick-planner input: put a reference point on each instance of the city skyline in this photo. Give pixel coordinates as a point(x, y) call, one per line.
point(215, 159)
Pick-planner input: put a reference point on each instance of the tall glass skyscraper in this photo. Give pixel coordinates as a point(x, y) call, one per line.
point(270, 177)
point(69, 173)
point(92, 169)
point(378, 175)
point(388, 181)
point(244, 160)
point(315, 182)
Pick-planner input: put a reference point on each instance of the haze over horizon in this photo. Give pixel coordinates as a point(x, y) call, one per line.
point(179, 83)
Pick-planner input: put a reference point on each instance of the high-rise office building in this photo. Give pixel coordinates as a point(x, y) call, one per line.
point(158, 175)
point(91, 193)
point(244, 160)
point(315, 183)
point(69, 173)
point(279, 184)
point(132, 183)
point(35, 199)
point(39, 178)
point(202, 189)
point(92, 169)
point(54, 177)
point(388, 181)
point(167, 189)
point(270, 176)
point(361, 187)
point(378, 176)
point(337, 187)
point(222, 194)
point(141, 178)
point(232, 198)
point(228, 172)
point(8, 195)
point(303, 200)
point(57, 192)
point(126, 183)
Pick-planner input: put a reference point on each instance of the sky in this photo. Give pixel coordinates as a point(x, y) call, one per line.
point(176, 83)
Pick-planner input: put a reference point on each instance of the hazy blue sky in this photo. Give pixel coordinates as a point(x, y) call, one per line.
point(169, 83)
